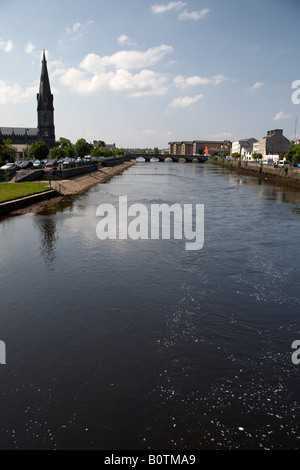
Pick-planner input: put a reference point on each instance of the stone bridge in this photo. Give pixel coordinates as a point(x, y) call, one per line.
point(167, 158)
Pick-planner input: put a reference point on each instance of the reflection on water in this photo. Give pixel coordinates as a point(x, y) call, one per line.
point(48, 238)
point(45, 221)
point(266, 188)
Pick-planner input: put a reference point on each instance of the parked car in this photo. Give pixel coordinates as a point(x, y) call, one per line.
point(283, 163)
point(26, 165)
point(37, 165)
point(52, 164)
point(8, 166)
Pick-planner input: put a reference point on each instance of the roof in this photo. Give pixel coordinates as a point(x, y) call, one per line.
point(19, 131)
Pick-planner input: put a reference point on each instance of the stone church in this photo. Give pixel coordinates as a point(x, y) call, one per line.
point(45, 130)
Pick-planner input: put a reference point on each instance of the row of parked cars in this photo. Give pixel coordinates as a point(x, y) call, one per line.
point(40, 164)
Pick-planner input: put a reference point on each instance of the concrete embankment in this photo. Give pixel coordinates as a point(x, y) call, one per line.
point(70, 187)
point(289, 176)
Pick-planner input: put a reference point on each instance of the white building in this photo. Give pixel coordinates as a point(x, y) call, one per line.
point(243, 147)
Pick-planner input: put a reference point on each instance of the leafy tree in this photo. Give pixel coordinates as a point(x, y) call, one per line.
point(293, 154)
point(257, 156)
point(99, 143)
point(82, 148)
point(65, 142)
point(101, 152)
point(58, 153)
point(69, 151)
point(156, 151)
point(27, 152)
point(236, 155)
point(7, 151)
point(39, 151)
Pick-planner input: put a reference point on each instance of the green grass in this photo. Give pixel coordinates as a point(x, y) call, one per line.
point(15, 190)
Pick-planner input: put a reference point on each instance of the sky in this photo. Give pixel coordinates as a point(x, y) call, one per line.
point(142, 73)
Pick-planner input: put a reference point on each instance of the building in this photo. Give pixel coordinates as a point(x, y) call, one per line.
point(197, 147)
point(210, 146)
point(244, 146)
point(187, 148)
point(274, 143)
point(111, 147)
point(45, 130)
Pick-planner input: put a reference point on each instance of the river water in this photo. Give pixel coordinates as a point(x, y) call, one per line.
point(123, 344)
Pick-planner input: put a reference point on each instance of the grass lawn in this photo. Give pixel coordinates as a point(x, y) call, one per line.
point(15, 190)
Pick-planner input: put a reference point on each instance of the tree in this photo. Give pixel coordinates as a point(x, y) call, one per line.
point(7, 151)
point(156, 151)
point(39, 151)
point(82, 148)
point(99, 143)
point(236, 155)
point(257, 156)
point(58, 153)
point(293, 154)
point(69, 151)
point(65, 142)
point(26, 152)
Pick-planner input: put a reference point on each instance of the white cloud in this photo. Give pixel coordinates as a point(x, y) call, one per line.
point(136, 59)
point(194, 15)
point(77, 27)
point(144, 83)
point(185, 101)
point(92, 78)
point(257, 86)
point(125, 40)
point(182, 82)
point(29, 49)
point(16, 94)
point(282, 115)
point(6, 46)
point(158, 9)
point(112, 74)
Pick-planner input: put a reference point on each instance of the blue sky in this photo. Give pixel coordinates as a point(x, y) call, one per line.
point(141, 73)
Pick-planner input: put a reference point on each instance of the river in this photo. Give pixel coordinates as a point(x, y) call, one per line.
point(123, 344)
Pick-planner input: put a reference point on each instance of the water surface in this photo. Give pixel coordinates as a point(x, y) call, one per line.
point(119, 345)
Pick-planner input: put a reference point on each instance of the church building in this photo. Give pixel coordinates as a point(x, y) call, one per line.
point(45, 130)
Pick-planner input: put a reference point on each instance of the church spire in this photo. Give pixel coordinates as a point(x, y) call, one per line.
point(45, 97)
point(45, 107)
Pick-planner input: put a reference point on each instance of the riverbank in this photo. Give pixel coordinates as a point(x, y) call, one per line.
point(80, 184)
point(12, 191)
point(287, 177)
point(73, 187)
